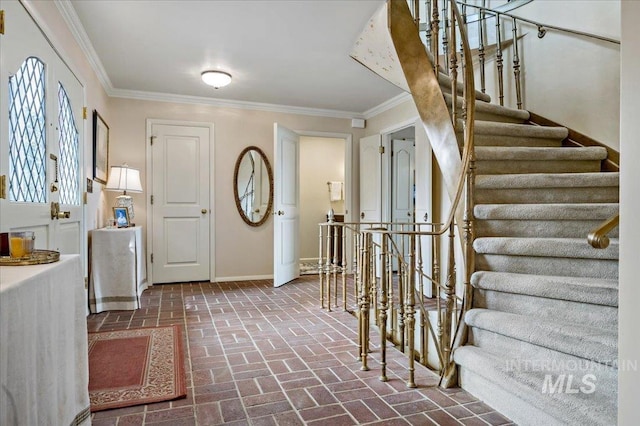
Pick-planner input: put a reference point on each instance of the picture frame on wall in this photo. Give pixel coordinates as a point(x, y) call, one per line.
point(121, 215)
point(100, 148)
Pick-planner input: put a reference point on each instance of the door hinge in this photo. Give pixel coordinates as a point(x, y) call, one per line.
point(152, 199)
point(151, 138)
point(3, 186)
point(84, 113)
point(84, 197)
point(86, 283)
point(151, 257)
point(381, 149)
point(1, 21)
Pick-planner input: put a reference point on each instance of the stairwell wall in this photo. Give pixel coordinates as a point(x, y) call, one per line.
point(570, 79)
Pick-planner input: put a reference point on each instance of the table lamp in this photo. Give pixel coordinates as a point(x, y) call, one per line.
point(124, 178)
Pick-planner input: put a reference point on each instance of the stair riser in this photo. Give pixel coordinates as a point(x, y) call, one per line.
point(548, 266)
point(498, 140)
point(507, 403)
point(541, 358)
point(547, 195)
point(486, 116)
point(538, 228)
point(605, 317)
point(520, 397)
point(493, 167)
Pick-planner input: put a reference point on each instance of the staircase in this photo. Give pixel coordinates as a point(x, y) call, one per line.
point(542, 339)
point(542, 345)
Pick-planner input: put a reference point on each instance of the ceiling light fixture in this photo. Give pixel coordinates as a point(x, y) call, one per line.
point(216, 79)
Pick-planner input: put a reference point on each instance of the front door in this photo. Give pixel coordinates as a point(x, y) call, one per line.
point(180, 203)
point(42, 143)
point(286, 224)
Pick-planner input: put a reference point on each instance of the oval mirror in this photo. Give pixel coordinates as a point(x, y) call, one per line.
point(253, 186)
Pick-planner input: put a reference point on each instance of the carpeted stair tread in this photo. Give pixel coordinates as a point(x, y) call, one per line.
point(445, 83)
point(560, 211)
point(597, 291)
point(540, 153)
point(581, 408)
point(573, 248)
point(517, 130)
point(572, 339)
point(486, 111)
point(548, 180)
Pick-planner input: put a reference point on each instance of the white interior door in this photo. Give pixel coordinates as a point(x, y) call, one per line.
point(402, 180)
point(286, 201)
point(180, 206)
point(371, 179)
point(42, 145)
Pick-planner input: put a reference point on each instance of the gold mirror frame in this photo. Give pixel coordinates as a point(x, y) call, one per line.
point(236, 194)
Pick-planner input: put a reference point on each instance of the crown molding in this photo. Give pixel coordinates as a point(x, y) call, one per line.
point(386, 105)
point(226, 103)
point(77, 30)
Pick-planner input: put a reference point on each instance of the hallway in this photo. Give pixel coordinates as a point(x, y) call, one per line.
point(263, 356)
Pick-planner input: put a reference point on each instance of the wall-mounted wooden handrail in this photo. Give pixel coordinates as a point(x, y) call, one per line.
point(598, 237)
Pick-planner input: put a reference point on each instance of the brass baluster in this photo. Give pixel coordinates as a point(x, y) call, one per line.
point(445, 34)
point(328, 267)
point(382, 314)
point(410, 311)
point(343, 267)
point(450, 289)
point(499, 60)
point(364, 300)
point(453, 67)
point(516, 65)
point(320, 266)
point(435, 28)
point(427, 32)
point(334, 265)
point(481, 47)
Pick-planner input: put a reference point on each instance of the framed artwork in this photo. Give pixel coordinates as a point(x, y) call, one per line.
point(121, 215)
point(100, 149)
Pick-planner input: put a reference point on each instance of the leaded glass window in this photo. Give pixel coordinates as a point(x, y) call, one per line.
point(68, 140)
point(27, 133)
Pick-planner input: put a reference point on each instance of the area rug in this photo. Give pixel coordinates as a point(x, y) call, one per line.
point(135, 366)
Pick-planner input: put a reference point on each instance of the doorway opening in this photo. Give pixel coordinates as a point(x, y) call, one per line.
point(322, 188)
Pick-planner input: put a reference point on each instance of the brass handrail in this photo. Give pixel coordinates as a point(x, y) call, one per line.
point(598, 237)
point(541, 27)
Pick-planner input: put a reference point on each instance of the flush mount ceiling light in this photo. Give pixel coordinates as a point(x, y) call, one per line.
point(216, 79)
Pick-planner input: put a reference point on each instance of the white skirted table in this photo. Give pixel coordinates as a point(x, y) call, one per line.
point(118, 273)
point(44, 367)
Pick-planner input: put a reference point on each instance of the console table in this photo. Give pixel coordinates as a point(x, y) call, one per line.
point(44, 367)
point(117, 269)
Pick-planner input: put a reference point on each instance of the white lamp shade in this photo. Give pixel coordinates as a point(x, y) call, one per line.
point(124, 178)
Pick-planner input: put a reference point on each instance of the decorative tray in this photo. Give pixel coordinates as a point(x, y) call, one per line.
point(38, 257)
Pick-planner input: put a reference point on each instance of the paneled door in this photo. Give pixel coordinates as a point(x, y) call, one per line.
point(181, 201)
point(286, 206)
point(42, 141)
point(371, 179)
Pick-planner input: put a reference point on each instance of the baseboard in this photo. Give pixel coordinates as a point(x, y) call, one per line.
point(243, 278)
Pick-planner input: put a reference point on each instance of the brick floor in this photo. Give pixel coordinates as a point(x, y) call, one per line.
point(258, 355)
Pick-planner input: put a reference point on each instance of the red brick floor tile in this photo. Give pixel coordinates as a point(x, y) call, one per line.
point(257, 355)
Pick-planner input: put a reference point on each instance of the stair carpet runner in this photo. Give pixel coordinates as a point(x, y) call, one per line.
point(543, 329)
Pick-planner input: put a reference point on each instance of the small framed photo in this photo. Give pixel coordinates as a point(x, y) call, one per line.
point(121, 215)
point(100, 148)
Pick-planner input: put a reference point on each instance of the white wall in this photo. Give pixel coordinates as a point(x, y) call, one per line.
point(629, 295)
point(321, 161)
point(567, 78)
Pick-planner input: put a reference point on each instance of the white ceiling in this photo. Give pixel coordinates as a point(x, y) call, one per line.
point(291, 53)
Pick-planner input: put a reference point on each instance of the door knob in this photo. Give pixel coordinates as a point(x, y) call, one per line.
point(426, 217)
point(362, 215)
point(64, 215)
point(203, 211)
point(280, 212)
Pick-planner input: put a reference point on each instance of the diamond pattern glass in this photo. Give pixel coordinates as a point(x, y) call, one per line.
point(68, 140)
point(27, 133)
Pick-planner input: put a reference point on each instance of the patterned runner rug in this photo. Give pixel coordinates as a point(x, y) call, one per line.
point(135, 366)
